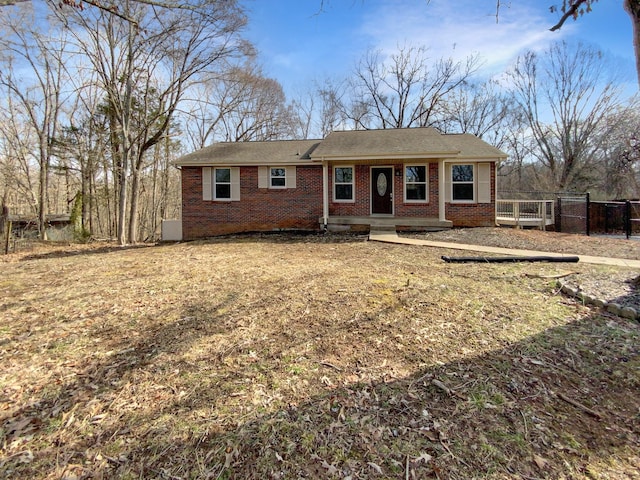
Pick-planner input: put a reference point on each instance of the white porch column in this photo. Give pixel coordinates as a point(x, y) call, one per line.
point(325, 193)
point(441, 190)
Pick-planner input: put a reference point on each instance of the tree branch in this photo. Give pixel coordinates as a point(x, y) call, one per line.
point(572, 11)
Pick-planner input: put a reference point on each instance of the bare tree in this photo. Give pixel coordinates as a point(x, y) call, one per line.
point(304, 107)
point(145, 68)
point(566, 97)
point(19, 175)
point(239, 104)
point(620, 154)
point(36, 96)
point(405, 90)
point(258, 109)
point(332, 109)
point(484, 110)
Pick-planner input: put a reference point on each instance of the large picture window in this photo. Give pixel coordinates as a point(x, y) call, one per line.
point(343, 184)
point(222, 184)
point(415, 183)
point(462, 183)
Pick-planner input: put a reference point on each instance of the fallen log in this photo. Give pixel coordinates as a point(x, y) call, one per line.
point(542, 258)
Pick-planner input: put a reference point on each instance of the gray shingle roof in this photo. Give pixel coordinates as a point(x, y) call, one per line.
point(401, 143)
point(252, 153)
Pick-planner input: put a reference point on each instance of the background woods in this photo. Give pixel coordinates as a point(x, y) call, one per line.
point(96, 105)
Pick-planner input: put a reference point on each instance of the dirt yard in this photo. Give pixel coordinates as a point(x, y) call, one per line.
point(612, 286)
point(529, 239)
point(284, 356)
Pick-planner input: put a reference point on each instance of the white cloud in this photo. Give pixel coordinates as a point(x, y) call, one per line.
point(461, 28)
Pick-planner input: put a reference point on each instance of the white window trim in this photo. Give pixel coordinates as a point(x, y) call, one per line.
point(215, 183)
point(426, 183)
point(352, 183)
point(473, 182)
point(271, 177)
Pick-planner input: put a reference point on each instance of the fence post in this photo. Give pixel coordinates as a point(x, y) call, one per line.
point(6, 238)
point(588, 213)
point(559, 213)
point(627, 218)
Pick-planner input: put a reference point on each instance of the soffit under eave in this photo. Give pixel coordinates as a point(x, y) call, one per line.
point(390, 158)
point(474, 159)
point(247, 163)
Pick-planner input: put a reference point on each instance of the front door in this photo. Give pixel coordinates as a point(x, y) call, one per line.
point(382, 190)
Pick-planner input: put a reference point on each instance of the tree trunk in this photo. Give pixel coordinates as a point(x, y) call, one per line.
point(133, 210)
point(633, 9)
point(42, 190)
point(127, 109)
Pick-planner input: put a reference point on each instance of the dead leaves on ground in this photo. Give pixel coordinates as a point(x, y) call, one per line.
point(305, 359)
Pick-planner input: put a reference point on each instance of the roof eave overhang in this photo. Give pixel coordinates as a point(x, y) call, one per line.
point(490, 158)
point(395, 156)
point(261, 163)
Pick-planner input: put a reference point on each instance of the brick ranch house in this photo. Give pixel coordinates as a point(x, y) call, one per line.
point(415, 178)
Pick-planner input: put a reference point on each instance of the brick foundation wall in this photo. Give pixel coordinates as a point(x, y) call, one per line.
point(258, 209)
point(471, 214)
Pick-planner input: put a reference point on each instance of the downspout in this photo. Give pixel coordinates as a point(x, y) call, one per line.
point(325, 194)
point(495, 197)
point(441, 191)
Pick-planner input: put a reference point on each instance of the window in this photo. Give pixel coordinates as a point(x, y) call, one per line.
point(278, 178)
point(343, 184)
point(415, 183)
point(222, 184)
point(462, 183)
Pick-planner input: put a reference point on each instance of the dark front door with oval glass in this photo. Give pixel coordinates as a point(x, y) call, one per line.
point(381, 190)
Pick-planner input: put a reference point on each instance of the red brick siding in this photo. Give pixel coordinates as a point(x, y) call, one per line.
point(361, 207)
point(474, 214)
point(429, 209)
point(301, 207)
point(258, 209)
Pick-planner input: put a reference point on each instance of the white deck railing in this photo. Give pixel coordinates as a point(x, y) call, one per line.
point(525, 213)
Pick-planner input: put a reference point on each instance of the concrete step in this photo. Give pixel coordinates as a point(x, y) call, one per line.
point(375, 227)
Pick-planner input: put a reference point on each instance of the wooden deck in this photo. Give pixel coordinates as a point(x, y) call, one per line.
point(525, 213)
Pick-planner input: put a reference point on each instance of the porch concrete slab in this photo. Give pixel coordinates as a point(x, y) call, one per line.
point(392, 237)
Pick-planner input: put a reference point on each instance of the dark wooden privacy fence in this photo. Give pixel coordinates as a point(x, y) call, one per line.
point(615, 218)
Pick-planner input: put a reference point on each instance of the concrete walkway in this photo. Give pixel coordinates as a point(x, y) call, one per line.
point(392, 237)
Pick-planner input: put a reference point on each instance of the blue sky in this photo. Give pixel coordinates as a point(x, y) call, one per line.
point(299, 44)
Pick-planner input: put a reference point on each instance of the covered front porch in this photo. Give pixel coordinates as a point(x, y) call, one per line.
point(366, 223)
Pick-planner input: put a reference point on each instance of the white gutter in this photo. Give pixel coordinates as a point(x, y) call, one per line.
point(325, 194)
point(441, 191)
point(385, 157)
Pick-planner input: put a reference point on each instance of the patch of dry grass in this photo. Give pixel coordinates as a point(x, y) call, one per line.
point(302, 357)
